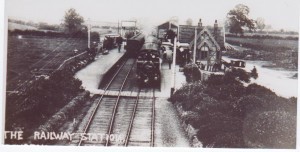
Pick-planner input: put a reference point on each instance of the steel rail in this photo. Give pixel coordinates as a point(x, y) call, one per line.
point(116, 106)
point(99, 101)
point(153, 119)
point(131, 119)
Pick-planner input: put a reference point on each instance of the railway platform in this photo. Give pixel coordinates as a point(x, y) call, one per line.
point(166, 78)
point(92, 75)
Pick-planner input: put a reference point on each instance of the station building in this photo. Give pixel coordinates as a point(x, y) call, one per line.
point(209, 43)
point(163, 28)
point(209, 40)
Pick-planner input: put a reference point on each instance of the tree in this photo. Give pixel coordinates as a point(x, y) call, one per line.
point(260, 23)
point(73, 21)
point(189, 21)
point(238, 19)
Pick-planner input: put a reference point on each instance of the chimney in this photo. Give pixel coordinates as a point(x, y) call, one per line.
point(200, 23)
point(216, 29)
point(216, 24)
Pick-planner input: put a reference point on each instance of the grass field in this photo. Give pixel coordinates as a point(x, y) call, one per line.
point(34, 53)
point(281, 51)
point(13, 26)
point(267, 43)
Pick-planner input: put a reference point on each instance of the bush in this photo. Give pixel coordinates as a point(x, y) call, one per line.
point(230, 78)
point(210, 105)
point(215, 80)
point(226, 87)
point(48, 94)
point(43, 97)
point(259, 91)
point(249, 103)
point(223, 110)
point(214, 126)
point(229, 139)
point(225, 91)
point(270, 129)
point(192, 73)
point(241, 74)
point(188, 95)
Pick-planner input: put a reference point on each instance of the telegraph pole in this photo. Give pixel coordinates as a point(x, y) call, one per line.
point(174, 68)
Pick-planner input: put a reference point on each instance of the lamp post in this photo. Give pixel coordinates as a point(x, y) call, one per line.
point(195, 45)
point(173, 87)
point(89, 33)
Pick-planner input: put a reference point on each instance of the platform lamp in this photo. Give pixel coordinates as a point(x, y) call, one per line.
point(89, 33)
point(195, 45)
point(173, 77)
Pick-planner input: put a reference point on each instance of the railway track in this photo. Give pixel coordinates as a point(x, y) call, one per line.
point(118, 120)
point(141, 128)
point(103, 114)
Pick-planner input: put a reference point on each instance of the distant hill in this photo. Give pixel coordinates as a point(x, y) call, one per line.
point(14, 26)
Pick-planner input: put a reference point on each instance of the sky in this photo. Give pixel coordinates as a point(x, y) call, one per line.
point(278, 13)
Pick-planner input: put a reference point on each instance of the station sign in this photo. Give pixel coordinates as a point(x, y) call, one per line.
point(186, 33)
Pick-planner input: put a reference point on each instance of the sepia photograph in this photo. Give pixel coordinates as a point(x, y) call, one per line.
point(151, 73)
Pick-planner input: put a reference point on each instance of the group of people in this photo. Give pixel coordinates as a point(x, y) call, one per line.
point(109, 42)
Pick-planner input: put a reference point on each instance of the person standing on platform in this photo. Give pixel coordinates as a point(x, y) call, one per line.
point(119, 41)
point(169, 56)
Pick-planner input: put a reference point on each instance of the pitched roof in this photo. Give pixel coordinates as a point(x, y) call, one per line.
point(166, 25)
point(205, 29)
point(218, 38)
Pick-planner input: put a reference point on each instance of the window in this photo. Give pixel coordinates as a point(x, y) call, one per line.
point(204, 52)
